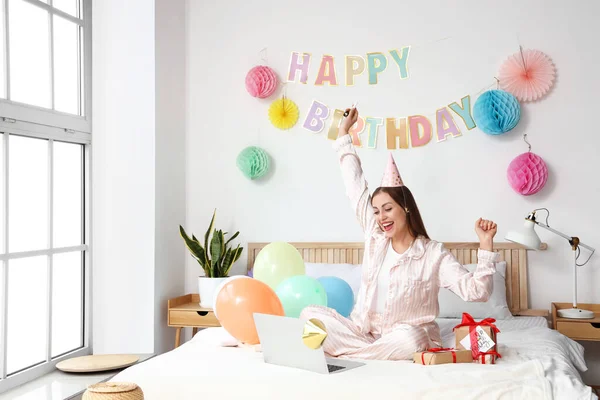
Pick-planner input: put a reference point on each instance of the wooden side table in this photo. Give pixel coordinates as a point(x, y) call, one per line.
point(577, 329)
point(185, 312)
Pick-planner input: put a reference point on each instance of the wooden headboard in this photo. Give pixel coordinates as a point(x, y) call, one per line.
point(465, 252)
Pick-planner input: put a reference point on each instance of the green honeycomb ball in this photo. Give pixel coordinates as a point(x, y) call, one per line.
point(253, 162)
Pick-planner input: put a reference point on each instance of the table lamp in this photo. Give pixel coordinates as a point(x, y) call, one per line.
point(528, 238)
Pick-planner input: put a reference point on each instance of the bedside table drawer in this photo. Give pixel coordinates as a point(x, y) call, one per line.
point(579, 330)
point(193, 318)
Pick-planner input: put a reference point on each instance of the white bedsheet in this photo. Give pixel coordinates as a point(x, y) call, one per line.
point(536, 363)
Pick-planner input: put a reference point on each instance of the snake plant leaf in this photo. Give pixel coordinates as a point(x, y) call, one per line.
point(231, 238)
point(220, 251)
point(216, 268)
point(210, 229)
point(238, 253)
point(232, 256)
point(223, 252)
point(197, 251)
point(216, 249)
point(228, 259)
point(222, 241)
point(202, 257)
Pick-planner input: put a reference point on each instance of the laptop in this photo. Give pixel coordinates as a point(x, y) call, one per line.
point(281, 343)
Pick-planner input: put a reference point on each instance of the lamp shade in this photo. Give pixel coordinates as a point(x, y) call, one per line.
point(525, 236)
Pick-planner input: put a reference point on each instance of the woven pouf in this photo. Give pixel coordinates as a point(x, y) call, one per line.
point(113, 391)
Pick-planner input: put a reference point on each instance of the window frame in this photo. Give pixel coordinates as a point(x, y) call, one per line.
point(36, 122)
point(48, 117)
point(18, 378)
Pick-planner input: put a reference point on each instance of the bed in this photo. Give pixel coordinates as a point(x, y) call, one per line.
point(537, 362)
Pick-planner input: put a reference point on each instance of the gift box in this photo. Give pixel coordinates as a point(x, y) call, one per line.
point(478, 337)
point(437, 356)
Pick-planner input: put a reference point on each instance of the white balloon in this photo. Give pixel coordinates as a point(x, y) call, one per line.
point(232, 278)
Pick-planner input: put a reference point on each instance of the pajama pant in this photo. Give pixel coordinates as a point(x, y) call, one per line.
point(344, 339)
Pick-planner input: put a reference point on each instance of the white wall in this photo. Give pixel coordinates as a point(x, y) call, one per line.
point(454, 182)
point(138, 172)
point(123, 176)
point(170, 163)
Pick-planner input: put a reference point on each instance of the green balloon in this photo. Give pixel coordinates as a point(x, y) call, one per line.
point(298, 292)
point(276, 262)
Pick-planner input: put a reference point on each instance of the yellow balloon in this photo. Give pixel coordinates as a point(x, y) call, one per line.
point(276, 262)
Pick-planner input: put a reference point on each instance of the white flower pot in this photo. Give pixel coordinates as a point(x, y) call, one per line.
point(206, 290)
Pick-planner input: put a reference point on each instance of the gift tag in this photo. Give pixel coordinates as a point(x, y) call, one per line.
point(484, 342)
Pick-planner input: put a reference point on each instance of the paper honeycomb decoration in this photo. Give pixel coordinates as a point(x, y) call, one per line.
point(261, 81)
point(496, 112)
point(254, 162)
point(527, 173)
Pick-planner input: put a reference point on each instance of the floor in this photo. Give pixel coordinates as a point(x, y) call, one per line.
point(54, 386)
point(59, 385)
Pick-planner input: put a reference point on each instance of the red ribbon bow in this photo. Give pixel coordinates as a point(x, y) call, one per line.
point(438, 350)
point(468, 320)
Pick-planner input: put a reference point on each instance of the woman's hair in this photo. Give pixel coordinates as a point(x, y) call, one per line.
point(405, 199)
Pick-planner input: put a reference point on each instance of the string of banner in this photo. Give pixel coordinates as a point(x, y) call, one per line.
point(410, 131)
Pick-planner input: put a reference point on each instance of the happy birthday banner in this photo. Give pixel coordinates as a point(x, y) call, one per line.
point(404, 132)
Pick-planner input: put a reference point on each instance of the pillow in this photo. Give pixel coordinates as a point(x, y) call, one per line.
point(452, 306)
point(351, 273)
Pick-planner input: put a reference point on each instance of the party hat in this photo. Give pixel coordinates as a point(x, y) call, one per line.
point(314, 333)
point(391, 177)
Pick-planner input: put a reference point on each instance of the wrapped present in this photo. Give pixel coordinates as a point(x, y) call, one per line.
point(479, 337)
point(440, 355)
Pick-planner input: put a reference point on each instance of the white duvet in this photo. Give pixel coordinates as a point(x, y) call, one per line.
point(536, 363)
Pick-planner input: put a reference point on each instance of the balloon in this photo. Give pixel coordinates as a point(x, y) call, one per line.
point(340, 296)
point(237, 302)
point(300, 291)
point(218, 289)
point(276, 262)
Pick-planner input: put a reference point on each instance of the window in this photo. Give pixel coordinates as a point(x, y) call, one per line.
point(45, 62)
point(45, 141)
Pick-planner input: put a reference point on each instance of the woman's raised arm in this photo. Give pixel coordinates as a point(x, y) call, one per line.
point(352, 174)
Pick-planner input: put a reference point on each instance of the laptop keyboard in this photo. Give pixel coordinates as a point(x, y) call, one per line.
point(333, 368)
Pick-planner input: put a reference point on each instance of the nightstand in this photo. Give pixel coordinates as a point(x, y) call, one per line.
point(185, 312)
point(577, 329)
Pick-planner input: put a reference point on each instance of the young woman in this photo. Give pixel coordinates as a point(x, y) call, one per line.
point(403, 269)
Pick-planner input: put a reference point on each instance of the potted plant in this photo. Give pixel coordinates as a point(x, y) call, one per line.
point(216, 258)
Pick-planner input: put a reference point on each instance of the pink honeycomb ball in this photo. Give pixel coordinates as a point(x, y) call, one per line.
point(261, 81)
point(527, 174)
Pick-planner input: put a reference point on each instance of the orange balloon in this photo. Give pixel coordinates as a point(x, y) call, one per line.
point(237, 302)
